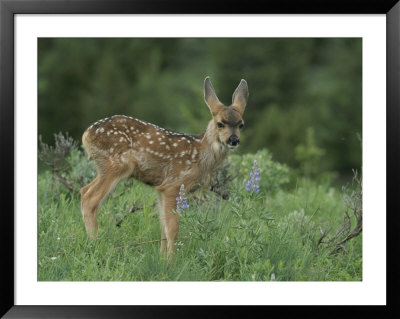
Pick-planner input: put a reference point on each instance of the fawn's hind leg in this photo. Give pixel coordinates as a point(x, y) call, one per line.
point(92, 196)
point(85, 188)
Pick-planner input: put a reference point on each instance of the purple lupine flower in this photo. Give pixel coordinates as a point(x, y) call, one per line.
point(181, 202)
point(252, 184)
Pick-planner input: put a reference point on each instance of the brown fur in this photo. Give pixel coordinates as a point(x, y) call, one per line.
point(122, 147)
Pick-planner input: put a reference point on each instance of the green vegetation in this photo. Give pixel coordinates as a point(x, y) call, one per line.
point(284, 232)
point(303, 126)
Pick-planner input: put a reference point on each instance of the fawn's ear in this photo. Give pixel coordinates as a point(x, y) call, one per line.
point(211, 98)
point(239, 97)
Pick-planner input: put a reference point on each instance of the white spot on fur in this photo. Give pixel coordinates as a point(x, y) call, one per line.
point(175, 145)
point(111, 149)
point(151, 142)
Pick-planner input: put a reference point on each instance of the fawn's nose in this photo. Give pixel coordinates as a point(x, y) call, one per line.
point(233, 140)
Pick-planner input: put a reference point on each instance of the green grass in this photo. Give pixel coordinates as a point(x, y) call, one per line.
point(248, 237)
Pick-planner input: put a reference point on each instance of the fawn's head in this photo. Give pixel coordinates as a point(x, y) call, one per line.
point(227, 120)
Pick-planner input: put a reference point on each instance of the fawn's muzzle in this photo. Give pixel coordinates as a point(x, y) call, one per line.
point(233, 140)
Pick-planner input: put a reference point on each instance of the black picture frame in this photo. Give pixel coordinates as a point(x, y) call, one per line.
point(8, 10)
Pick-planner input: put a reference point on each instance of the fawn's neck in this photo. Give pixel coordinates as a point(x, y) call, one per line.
point(213, 152)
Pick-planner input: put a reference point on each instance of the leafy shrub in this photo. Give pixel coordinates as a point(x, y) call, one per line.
point(272, 174)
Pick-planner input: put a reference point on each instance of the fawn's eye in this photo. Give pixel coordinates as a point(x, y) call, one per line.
point(220, 125)
point(241, 126)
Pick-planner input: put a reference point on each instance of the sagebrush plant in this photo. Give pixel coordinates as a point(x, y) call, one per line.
point(82, 170)
point(245, 238)
point(69, 165)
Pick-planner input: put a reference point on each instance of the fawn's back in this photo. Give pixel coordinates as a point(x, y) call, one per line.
point(143, 150)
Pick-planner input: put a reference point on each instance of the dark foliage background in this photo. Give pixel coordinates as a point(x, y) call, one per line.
point(305, 101)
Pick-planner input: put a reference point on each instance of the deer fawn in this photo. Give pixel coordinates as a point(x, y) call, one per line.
point(121, 147)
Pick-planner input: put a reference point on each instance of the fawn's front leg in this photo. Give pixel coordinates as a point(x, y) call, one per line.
point(169, 221)
point(163, 236)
